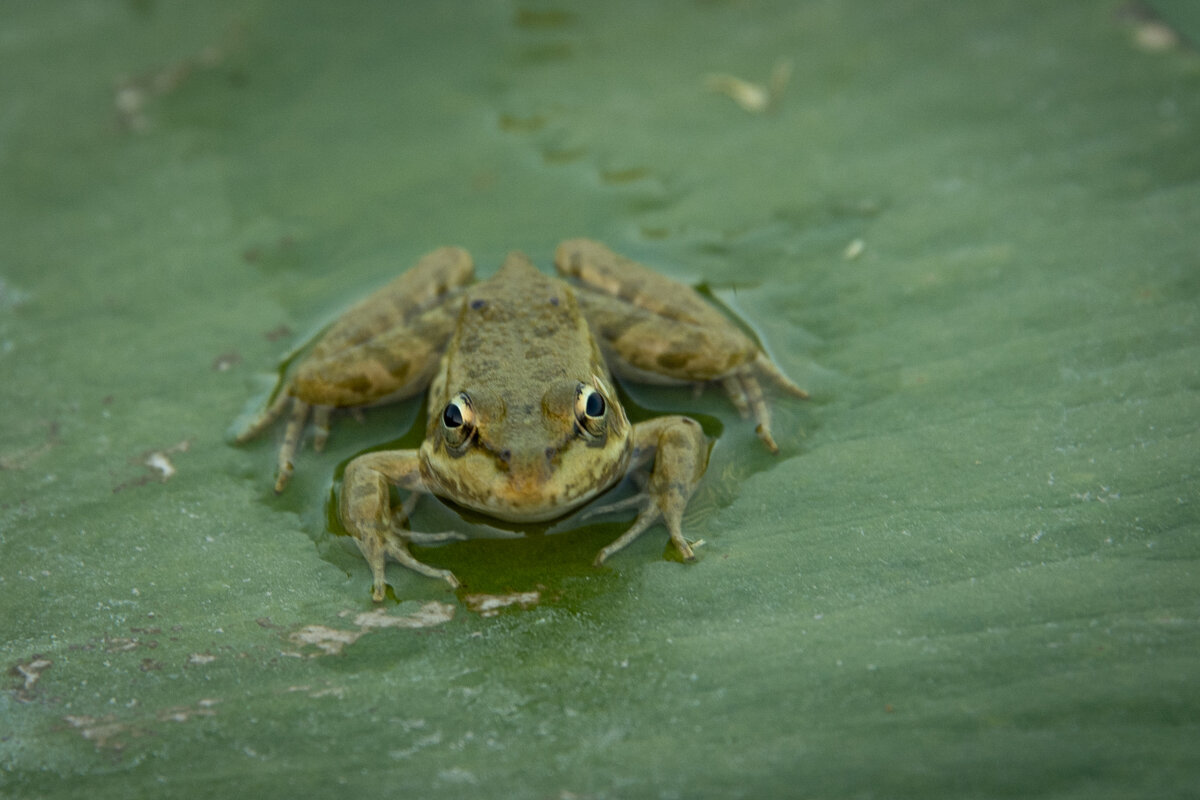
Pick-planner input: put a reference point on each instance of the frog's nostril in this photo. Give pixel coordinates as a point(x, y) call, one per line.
point(550, 453)
point(506, 455)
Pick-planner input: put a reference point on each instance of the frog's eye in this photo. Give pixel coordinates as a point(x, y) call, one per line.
point(458, 420)
point(590, 410)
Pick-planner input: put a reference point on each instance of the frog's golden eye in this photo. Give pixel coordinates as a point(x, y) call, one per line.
point(458, 420)
point(590, 410)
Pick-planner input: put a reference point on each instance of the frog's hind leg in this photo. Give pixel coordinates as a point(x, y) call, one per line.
point(293, 436)
point(297, 421)
point(384, 349)
point(321, 426)
point(655, 329)
point(266, 417)
point(737, 394)
point(291, 442)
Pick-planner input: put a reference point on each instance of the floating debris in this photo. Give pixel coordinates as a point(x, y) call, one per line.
point(161, 468)
point(1150, 31)
point(753, 97)
point(160, 461)
point(132, 95)
point(226, 361)
point(30, 672)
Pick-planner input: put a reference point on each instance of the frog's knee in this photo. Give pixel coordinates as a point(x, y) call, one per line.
point(686, 435)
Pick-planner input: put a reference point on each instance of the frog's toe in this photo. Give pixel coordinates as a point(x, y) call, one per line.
point(746, 385)
point(736, 391)
point(398, 551)
point(637, 501)
point(420, 537)
point(291, 442)
point(650, 514)
point(764, 434)
point(284, 475)
point(379, 588)
point(765, 366)
point(264, 419)
point(320, 421)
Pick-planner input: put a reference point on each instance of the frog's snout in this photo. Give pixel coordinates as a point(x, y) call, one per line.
point(528, 475)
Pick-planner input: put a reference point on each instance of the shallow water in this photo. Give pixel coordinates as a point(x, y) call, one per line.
point(970, 231)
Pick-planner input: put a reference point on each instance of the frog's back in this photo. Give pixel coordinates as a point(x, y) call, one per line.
point(519, 331)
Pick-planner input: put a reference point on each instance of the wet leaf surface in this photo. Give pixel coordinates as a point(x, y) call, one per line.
point(968, 229)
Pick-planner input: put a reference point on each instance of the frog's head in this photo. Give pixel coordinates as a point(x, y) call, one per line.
point(531, 457)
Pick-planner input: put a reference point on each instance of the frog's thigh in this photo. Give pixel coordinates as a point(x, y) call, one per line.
point(680, 452)
point(387, 346)
point(401, 302)
point(647, 347)
point(366, 512)
point(391, 365)
point(678, 351)
point(599, 268)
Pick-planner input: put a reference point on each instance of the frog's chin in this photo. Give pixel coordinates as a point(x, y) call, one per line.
point(540, 507)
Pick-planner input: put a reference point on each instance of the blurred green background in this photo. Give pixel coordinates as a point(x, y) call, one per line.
point(971, 230)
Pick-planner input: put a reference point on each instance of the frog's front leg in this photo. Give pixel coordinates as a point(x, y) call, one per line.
point(366, 512)
point(679, 451)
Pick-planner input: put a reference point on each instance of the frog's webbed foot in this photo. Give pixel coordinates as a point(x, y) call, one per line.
point(745, 391)
point(294, 433)
point(377, 543)
point(680, 452)
point(367, 514)
point(650, 514)
point(638, 500)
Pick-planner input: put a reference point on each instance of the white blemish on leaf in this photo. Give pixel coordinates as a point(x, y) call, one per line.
point(428, 615)
point(489, 605)
point(331, 641)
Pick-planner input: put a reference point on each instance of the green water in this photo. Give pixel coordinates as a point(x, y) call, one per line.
point(971, 572)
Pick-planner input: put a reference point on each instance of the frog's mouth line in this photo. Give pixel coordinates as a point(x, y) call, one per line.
point(535, 509)
point(532, 497)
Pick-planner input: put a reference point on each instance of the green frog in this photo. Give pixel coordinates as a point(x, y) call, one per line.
point(524, 422)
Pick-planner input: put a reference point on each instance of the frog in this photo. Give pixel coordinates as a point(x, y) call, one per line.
point(524, 422)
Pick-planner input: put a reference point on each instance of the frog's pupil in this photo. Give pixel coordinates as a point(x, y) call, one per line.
point(594, 405)
point(452, 417)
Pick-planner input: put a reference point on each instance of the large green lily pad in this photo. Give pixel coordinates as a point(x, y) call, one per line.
point(969, 229)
